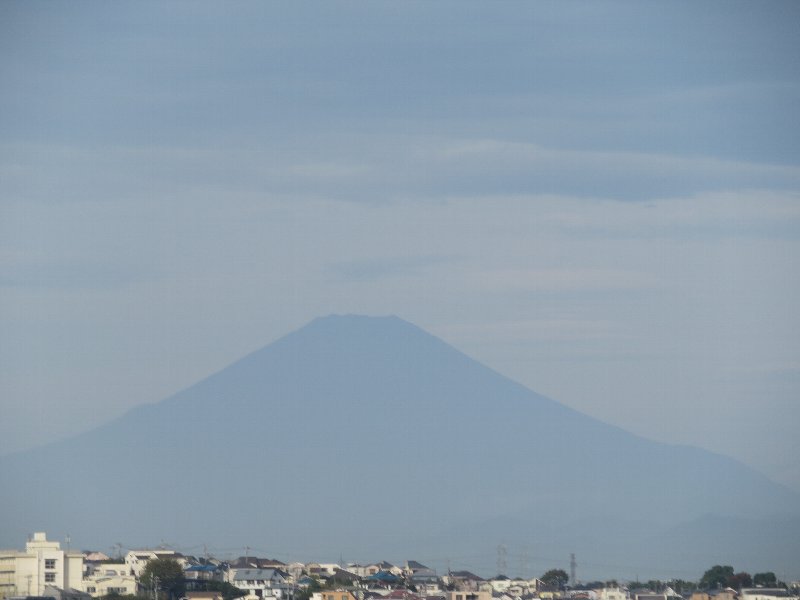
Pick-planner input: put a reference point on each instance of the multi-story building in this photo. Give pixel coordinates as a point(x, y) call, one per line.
point(42, 564)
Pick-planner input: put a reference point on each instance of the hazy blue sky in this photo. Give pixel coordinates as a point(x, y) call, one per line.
point(600, 200)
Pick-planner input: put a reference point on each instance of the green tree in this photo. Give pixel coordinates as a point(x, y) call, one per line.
point(556, 577)
point(740, 580)
point(767, 579)
point(716, 577)
point(305, 594)
point(164, 575)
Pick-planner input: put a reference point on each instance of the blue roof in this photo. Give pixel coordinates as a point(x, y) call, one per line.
point(383, 576)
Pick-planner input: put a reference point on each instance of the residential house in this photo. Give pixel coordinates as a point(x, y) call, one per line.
point(382, 580)
point(499, 583)
point(343, 578)
point(412, 566)
point(465, 595)
point(387, 566)
point(426, 582)
point(362, 570)
point(108, 578)
point(136, 560)
point(254, 562)
point(323, 570)
point(262, 583)
point(295, 570)
point(463, 581)
point(204, 572)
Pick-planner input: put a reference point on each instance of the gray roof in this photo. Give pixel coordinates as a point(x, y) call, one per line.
point(465, 575)
point(254, 574)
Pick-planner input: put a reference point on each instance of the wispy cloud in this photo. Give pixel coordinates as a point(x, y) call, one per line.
point(374, 269)
point(373, 169)
point(541, 330)
point(503, 281)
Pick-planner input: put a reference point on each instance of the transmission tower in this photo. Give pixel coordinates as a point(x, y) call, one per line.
point(572, 565)
point(525, 563)
point(502, 563)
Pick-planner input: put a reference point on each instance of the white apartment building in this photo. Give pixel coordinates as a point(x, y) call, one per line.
point(43, 563)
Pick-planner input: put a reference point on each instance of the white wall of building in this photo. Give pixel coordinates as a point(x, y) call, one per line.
point(42, 563)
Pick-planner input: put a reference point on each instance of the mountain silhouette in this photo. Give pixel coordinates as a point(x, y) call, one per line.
point(367, 437)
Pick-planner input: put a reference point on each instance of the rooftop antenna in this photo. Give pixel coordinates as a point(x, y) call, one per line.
point(67, 541)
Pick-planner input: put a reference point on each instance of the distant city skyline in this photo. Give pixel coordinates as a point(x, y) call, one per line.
point(600, 201)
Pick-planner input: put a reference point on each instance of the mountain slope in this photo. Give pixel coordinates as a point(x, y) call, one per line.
point(355, 434)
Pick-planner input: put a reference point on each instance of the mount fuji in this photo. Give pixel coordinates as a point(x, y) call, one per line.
point(368, 438)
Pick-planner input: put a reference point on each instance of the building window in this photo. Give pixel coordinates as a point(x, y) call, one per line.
point(49, 563)
point(91, 589)
point(49, 577)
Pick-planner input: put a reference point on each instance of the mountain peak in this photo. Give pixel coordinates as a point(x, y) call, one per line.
point(327, 431)
point(380, 334)
point(351, 320)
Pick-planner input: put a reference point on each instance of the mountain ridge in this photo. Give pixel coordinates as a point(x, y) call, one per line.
point(346, 404)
